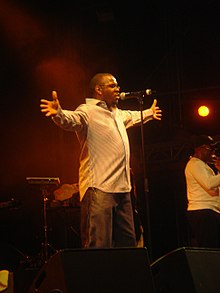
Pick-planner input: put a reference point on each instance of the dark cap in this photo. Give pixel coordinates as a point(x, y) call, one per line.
point(203, 140)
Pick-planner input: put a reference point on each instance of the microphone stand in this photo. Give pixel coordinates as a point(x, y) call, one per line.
point(146, 189)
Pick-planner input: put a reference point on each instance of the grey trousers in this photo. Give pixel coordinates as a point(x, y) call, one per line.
point(107, 220)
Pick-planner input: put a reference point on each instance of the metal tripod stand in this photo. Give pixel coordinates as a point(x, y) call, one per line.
point(45, 245)
point(45, 187)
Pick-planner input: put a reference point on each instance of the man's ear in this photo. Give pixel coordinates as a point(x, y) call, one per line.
point(98, 89)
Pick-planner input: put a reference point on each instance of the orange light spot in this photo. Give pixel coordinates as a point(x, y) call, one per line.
point(203, 111)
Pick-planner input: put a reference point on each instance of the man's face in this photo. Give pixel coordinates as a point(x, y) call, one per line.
point(217, 163)
point(110, 91)
point(206, 152)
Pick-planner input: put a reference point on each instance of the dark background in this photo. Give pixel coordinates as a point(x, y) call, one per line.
point(172, 47)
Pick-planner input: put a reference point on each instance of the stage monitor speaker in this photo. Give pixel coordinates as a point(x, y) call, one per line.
point(191, 270)
point(96, 270)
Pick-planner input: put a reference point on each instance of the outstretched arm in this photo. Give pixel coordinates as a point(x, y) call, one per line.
point(157, 112)
point(132, 118)
point(50, 108)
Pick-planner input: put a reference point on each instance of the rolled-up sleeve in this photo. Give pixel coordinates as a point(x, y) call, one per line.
point(132, 118)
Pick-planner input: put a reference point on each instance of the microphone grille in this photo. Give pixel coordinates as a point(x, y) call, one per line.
point(148, 92)
point(122, 96)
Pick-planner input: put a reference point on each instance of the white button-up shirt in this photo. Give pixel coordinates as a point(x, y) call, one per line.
point(202, 186)
point(105, 152)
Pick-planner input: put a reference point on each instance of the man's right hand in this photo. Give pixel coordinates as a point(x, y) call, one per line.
point(50, 108)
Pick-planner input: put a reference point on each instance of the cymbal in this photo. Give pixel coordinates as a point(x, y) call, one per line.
point(66, 191)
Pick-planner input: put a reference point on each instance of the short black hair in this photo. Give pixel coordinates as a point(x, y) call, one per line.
point(97, 79)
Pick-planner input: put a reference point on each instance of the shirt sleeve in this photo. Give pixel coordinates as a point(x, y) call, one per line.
point(205, 176)
point(71, 120)
point(132, 118)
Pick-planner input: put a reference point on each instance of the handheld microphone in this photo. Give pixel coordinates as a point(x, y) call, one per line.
point(131, 95)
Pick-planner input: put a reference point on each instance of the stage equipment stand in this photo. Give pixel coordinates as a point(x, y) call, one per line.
point(45, 184)
point(146, 187)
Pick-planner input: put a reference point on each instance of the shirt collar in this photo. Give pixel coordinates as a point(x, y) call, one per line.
point(91, 101)
point(100, 103)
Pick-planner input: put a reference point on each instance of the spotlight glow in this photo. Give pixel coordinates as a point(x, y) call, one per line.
point(203, 111)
